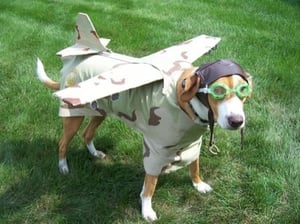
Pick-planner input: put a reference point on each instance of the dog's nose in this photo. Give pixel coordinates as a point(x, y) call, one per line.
point(235, 121)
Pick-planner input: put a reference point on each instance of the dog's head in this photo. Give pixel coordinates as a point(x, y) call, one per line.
point(219, 88)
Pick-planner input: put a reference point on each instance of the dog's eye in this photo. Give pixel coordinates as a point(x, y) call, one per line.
point(243, 90)
point(218, 91)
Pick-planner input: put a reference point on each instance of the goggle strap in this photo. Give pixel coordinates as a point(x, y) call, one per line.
point(242, 137)
point(211, 127)
point(204, 90)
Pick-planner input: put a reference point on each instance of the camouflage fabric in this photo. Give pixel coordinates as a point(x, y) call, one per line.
point(77, 69)
point(171, 139)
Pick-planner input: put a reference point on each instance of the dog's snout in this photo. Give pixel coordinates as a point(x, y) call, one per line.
point(235, 121)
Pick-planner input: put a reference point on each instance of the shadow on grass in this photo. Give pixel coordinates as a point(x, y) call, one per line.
point(292, 2)
point(95, 191)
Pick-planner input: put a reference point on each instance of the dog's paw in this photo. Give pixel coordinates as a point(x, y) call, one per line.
point(147, 211)
point(94, 151)
point(202, 187)
point(99, 154)
point(63, 166)
point(149, 215)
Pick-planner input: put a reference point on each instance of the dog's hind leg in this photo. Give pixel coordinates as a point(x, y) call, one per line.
point(89, 133)
point(146, 196)
point(71, 126)
point(200, 185)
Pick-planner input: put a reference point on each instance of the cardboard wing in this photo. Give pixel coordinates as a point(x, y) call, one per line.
point(87, 40)
point(116, 80)
point(180, 56)
point(131, 75)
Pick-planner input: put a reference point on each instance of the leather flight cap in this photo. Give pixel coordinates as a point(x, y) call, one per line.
point(212, 71)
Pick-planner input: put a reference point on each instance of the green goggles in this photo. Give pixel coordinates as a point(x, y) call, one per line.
point(219, 90)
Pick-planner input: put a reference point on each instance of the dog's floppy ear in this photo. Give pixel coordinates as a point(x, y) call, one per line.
point(189, 87)
point(186, 88)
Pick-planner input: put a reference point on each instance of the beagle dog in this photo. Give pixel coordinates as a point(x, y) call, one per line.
point(172, 117)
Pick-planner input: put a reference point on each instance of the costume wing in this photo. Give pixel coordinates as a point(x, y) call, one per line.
point(116, 80)
point(177, 57)
point(133, 72)
point(87, 40)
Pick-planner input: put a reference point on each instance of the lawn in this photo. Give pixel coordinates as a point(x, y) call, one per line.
point(257, 184)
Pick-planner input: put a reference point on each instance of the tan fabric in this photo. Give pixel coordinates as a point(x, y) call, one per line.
point(171, 139)
point(77, 69)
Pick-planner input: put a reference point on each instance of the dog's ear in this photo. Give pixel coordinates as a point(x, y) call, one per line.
point(190, 86)
point(186, 88)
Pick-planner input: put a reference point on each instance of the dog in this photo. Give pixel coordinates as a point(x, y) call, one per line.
point(172, 123)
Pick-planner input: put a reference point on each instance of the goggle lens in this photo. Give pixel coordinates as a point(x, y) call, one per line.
point(243, 90)
point(218, 91)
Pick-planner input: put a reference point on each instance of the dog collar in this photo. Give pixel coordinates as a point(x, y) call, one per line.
point(199, 119)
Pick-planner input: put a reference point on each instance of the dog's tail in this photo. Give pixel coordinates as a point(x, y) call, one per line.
point(43, 77)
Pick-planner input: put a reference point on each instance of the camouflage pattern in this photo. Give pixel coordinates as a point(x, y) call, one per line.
point(135, 71)
point(77, 69)
point(139, 91)
point(171, 139)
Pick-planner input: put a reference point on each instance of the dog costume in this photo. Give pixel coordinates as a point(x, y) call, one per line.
point(171, 138)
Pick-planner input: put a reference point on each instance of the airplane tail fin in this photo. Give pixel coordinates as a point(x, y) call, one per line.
point(87, 40)
point(43, 77)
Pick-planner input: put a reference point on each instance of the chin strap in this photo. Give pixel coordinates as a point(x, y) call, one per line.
point(213, 148)
point(242, 138)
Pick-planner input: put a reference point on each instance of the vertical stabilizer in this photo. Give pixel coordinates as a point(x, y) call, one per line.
point(87, 40)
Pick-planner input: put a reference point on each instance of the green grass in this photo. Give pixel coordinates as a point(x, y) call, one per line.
point(259, 184)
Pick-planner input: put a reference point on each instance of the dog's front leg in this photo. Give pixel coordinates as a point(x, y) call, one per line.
point(200, 185)
point(146, 197)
